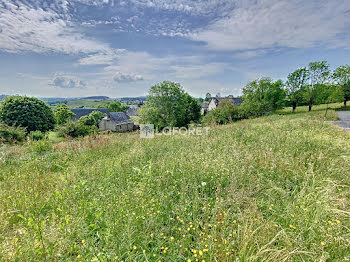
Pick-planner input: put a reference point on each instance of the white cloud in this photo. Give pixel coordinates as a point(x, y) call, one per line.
point(249, 54)
point(28, 28)
point(256, 24)
point(126, 78)
point(66, 81)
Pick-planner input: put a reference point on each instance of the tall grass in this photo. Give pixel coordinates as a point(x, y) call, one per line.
point(269, 189)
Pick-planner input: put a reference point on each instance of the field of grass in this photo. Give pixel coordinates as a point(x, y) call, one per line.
point(269, 189)
point(87, 103)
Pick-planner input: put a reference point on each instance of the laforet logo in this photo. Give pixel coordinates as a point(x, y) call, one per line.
point(147, 131)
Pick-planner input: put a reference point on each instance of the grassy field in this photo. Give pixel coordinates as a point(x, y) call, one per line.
point(269, 189)
point(87, 103)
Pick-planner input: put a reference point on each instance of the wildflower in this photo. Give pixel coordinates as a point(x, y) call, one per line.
point(171, 238)
point(323, 243)
point(83, 241)
point(134, 247)
point(200, 252)
point(204, 183)
point(78, 256)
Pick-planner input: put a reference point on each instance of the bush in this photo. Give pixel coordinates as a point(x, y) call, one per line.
point(28, 112)
point(41, 146)
point(36, 136)
point(223, 114)
point(11, 134)
point(63, 114)
point(93, 119)
point(73, 129)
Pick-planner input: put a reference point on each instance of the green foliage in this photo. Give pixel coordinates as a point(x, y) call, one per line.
point(342, 77)
point(168, 105)
point(207, 97)
point(114, 107)
point(262, 96)
point(295, 86)
point(41, 146)
point(223, 114)
point(73, 129)
point(318, 74)
point(36, 135)
point(93, 119)
point(11, 134)
point(62, 114)
point(28, 112)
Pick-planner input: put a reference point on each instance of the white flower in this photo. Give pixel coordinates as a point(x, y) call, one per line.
point(204, 183)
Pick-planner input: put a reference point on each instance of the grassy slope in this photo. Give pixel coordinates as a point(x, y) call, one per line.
point(277, 189)
point(87, 103)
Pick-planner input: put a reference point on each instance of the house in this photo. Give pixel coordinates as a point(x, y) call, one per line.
point(204, 109)
point(216, 100)
point(80, 112)
point(116, 121)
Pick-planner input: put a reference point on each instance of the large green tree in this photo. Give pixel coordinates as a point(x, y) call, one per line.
point(262, 96)
point(63, 114)
point(342, 76)
point(168, 105)
point(114, 106)
point(318, 75)
point(295, 84)
point(28, 112)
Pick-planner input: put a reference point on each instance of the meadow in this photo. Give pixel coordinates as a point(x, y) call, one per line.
point(274, 188)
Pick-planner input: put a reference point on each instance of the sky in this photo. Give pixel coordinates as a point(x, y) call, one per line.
point(120, 48)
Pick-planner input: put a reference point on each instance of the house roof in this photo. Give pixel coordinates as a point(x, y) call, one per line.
point(119, 117)
point(131, 111)
point(234, 100)
point(79, 112)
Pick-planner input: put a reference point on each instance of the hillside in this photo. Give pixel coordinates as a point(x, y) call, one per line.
point(269, 189)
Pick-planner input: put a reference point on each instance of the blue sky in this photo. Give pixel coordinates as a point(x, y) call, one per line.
point(118, 48)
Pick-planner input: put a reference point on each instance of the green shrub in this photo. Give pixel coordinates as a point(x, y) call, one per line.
point(28, 112)
point(36, 135)
point(41, 146)
point(11, 134)
point(93, 119)
point(73, 129)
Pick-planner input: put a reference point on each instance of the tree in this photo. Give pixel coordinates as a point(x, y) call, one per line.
point(62, 114)
point(276, 95)
point(114, 107)
point(169, 105)
point(207, 97)
point(318, 75)
point(28, 112)
point(295, 85)
point(223, 114)
point(342, 76)
point(193, 109)
point(262, 96)
point(93, 119)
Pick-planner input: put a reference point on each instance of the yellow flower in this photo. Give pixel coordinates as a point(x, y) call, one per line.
point(323, 243)
point(171, 238)
point(134, 247)
point(78, 256)
point(83, 241)
point(188, 260)
point(200, 252)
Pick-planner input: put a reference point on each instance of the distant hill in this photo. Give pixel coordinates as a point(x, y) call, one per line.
point(2, 97)
point(96, 97)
